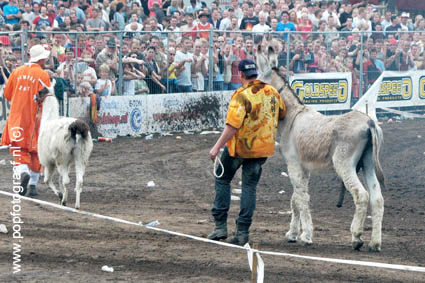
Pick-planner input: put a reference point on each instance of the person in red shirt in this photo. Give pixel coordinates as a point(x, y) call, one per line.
point(203, 25)
point(22, 125)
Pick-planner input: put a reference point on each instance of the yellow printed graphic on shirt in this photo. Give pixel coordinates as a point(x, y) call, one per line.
point(254, 110)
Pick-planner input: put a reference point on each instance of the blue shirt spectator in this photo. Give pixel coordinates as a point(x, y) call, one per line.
point(11, 13)
point(285, 25)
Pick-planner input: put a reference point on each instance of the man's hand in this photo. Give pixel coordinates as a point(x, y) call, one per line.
point(213, 153)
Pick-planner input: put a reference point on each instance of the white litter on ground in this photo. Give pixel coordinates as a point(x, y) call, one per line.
point(149, 137)
point(281, 192)
point(240, 183)
point(202, 221)
point(3, 229)
point(285, 212)
point(178, 137)
point(235, 198)
point(107, 268)
point(151, 184)
point(419, 136)
point(153, 223)
point(369, 217)
point(284, 174)
point(237, 191)
point(3, 162)
point(209, 132)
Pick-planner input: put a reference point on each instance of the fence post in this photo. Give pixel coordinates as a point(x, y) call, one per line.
point(167, 55)
point(210, 60)
point(120, 69)
point(361, 66)
point(288, 52)
point(255, 246)
point(24, 45)
point(74, 67)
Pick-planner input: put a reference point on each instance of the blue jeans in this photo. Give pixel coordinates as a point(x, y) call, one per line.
point(251, 173)
point(184, 88)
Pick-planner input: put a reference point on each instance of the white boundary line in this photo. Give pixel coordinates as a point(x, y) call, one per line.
point(114, 219)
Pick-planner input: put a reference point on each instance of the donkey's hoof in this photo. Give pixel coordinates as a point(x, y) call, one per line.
point(291, 238)
point(374, 247)
point(306, 240)
point(60, 195)
point(357, 245)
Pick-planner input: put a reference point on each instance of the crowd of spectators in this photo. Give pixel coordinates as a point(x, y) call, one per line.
point(324, 36)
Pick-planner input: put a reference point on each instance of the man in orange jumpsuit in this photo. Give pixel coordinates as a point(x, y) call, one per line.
point(22, 125)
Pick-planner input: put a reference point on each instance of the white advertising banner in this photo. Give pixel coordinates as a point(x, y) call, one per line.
point(323, 91)
point(188, 111)
point(402, 89)
point(141, 114)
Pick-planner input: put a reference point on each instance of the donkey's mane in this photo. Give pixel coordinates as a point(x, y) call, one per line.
point(276, 70)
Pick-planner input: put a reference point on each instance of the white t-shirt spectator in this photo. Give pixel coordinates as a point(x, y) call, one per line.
point(100, 83)
point(184, 78)
point(261, 28)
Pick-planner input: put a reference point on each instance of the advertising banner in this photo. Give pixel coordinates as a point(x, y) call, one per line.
point(323, 91)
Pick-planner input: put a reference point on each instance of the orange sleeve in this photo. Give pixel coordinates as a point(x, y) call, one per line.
point(236, 112)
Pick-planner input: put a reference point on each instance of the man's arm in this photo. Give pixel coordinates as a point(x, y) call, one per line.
point(226, 135)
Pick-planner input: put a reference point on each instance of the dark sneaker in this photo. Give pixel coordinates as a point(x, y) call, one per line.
point(33, 191)
point(25, 178)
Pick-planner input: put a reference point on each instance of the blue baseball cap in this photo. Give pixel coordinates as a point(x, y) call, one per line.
point(248, 68)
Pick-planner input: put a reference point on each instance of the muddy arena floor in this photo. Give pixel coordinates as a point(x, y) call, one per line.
point(67, 247)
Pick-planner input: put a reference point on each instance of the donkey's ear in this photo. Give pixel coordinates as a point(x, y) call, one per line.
point(271, 51)
point(259, 48)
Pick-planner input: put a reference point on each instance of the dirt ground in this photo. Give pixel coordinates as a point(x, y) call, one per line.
point(66, 247)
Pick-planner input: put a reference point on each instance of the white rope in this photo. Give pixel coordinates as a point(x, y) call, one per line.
point(114, 219)
point(215, 166)
point(403, 113)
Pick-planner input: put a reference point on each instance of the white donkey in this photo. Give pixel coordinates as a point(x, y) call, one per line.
point(311, 142)
point(61, 142)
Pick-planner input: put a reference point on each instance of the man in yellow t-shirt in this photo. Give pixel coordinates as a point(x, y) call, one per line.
point(249, 135)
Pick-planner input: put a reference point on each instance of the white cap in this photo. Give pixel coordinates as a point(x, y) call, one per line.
point(37, 52)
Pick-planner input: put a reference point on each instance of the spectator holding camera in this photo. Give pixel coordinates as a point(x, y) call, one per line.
point(392, 56)
point(372, 67)
point(300, 59)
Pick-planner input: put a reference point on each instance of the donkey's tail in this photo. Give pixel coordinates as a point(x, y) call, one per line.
point(377, 140)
